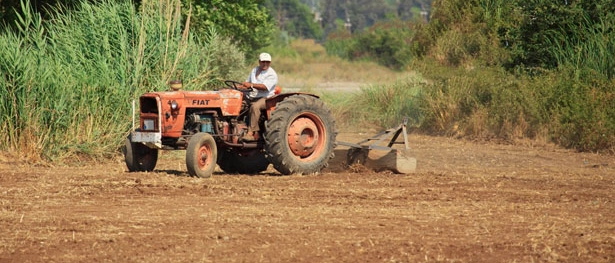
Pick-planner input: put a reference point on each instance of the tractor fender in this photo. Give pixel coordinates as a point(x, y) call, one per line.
point(273, 101)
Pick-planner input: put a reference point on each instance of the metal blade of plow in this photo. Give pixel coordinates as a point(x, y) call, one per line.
point(371, 155)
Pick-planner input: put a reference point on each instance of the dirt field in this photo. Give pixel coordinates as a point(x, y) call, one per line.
point(467, 202)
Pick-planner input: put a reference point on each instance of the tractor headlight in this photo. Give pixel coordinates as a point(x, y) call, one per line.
point(174, 105)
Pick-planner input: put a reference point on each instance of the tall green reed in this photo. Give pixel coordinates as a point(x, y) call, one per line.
point(590, 45)
point(68, 82)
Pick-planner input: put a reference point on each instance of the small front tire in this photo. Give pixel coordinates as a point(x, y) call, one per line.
point(201, 155)
point(138, 157)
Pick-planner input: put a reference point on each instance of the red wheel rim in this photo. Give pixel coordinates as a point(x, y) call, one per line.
point(306, 136)
point(203, 157)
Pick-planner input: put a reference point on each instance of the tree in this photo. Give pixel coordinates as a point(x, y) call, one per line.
point(411, 9)
point(294, 17)
point(361, 14)
point(244, 21)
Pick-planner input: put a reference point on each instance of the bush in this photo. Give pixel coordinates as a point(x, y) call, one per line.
point(388, 43)
point(559, 78)
point(582, 110)
point(339, 43)
point(381, 106)
point(571, 108)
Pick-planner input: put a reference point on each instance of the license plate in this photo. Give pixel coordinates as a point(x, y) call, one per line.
point(148, 125)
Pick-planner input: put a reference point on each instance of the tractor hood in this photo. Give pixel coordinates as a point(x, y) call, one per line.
point(227, 101)
point(165, 112)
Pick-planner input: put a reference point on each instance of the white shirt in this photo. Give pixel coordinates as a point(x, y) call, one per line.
point(267, 77)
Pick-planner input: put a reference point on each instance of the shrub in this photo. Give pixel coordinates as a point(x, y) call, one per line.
point(381, 106)
point(388, 43)
point(569, 107)
point(339, 43)
point(582, 110)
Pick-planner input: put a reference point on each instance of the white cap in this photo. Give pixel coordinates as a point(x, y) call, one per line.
point(264, 57)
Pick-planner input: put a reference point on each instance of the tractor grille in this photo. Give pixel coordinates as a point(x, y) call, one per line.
point(149, 105)
point(149, 114)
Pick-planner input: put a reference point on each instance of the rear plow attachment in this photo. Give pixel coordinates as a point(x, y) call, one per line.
point(373, 154)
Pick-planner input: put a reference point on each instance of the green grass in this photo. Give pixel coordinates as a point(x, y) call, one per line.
point(69, 82)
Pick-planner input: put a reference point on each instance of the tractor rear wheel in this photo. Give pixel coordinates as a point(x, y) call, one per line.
point(201, 155)
point(251, 162)
point(300, 135)
point(138, 157)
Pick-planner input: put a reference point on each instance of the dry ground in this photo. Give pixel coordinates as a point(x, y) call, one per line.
point(467, 202)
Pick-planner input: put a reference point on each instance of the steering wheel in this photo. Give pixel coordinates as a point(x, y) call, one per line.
point(233, 84)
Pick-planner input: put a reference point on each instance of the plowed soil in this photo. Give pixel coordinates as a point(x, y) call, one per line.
point(467, 202)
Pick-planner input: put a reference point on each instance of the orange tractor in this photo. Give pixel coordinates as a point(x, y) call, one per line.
point(297, 132)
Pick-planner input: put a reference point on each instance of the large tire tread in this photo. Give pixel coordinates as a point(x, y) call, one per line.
point(277, 146)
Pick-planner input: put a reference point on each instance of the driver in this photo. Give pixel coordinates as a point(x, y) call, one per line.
point(260, 85)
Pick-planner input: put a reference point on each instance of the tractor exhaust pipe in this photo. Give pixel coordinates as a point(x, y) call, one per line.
point(133, 115)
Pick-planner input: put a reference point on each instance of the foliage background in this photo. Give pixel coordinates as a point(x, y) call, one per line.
point(480, 69)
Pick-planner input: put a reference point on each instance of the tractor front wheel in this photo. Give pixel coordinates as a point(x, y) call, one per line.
point(201, 155)
point(138, 157)
point(300, 135)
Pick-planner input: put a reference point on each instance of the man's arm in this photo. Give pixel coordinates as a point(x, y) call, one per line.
point(267, 85)
point(255, 86)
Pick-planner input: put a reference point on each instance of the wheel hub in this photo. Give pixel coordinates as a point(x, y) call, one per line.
point(203, 157)
point(303, 136)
